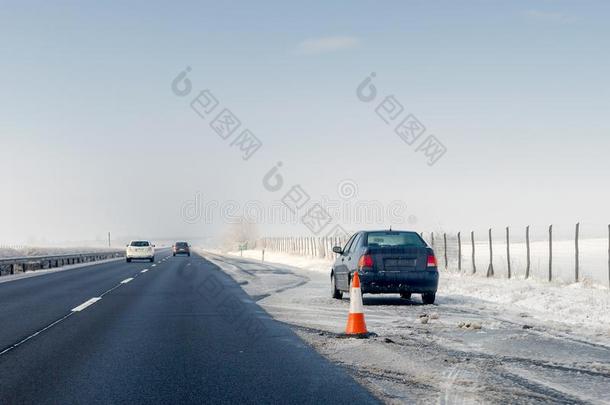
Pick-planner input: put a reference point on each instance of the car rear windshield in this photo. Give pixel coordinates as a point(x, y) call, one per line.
point(394, 239)
point(181, 244)
point(140, 243)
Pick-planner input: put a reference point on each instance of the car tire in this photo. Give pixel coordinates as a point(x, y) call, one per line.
point(128, 259)
point(428, 298)
point(152, 259)
point(174, 255)
point(336, 294)
point(405, 295)
point(189, 255)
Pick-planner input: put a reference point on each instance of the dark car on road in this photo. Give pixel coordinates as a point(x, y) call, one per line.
point(387, 262)
point(181, 248)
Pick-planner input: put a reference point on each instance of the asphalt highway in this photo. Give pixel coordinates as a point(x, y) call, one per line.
point(177, 331)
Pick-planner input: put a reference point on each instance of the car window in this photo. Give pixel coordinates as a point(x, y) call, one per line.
point(348, 245)
point(394, 239)
point(181, 244)
point(356, 243)
point(140, 243)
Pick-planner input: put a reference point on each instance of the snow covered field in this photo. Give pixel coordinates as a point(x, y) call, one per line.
point(537, 342)
point(593, 258)
point(46, 251)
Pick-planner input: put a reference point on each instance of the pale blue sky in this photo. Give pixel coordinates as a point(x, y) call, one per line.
point(517, 91)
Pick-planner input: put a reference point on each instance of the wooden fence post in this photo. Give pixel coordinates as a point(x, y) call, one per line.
point(550, 253)
point(508, 250)
point(490, 268)
point(576, 254)
point(459, 252)
point(445, 247)
point(527, 244)
point(474, 267)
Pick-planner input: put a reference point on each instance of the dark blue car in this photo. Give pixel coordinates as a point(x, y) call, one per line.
point(387, 262)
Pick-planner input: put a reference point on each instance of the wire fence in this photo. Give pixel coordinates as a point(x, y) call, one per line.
point(504, 253)
point(311, 246)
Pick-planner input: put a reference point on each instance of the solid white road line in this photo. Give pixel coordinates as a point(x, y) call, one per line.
point(127, 280)
point(154, 265)
point(86, 304)
point(144, 271)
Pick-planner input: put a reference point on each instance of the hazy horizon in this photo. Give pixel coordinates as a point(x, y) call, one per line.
point(95, 139)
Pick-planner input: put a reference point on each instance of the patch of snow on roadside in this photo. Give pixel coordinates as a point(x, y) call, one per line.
point(302, 262)
point(574, 305)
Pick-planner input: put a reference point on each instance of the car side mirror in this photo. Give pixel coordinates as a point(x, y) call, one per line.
point(154, 245)
point(338, 250)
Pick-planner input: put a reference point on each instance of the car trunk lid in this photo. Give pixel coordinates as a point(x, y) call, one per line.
point(398, 259)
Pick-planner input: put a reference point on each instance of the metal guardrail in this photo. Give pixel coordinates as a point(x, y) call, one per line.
point(14, 265)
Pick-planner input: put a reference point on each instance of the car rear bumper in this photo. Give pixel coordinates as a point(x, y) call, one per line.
point(135, 255)
point(425, 281)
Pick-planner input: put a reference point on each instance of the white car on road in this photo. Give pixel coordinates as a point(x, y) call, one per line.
point(140, 249)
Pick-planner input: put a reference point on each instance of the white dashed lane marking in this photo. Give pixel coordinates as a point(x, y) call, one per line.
point(79, 308)
point(86, 304)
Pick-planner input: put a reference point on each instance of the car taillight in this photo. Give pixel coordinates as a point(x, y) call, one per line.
point(431, 261)
point(365, 261)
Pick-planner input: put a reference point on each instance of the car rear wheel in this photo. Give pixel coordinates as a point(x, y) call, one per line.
point(152, 259)
point(405, 295)
point(128, 260)
point(428, 298)
point(333, 288)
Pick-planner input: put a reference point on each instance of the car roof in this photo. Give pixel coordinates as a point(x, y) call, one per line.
point(389, 230)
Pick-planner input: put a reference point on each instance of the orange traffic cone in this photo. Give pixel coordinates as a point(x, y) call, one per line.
point(355, 320)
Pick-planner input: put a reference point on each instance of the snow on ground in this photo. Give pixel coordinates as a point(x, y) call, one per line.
point(577, 305)
point(593, 258)
point(26, 251)
point(517, 355)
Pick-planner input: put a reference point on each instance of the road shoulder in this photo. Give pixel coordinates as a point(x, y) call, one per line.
point(504, 360)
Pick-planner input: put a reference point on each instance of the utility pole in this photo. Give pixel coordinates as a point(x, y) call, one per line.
point(108, 239)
